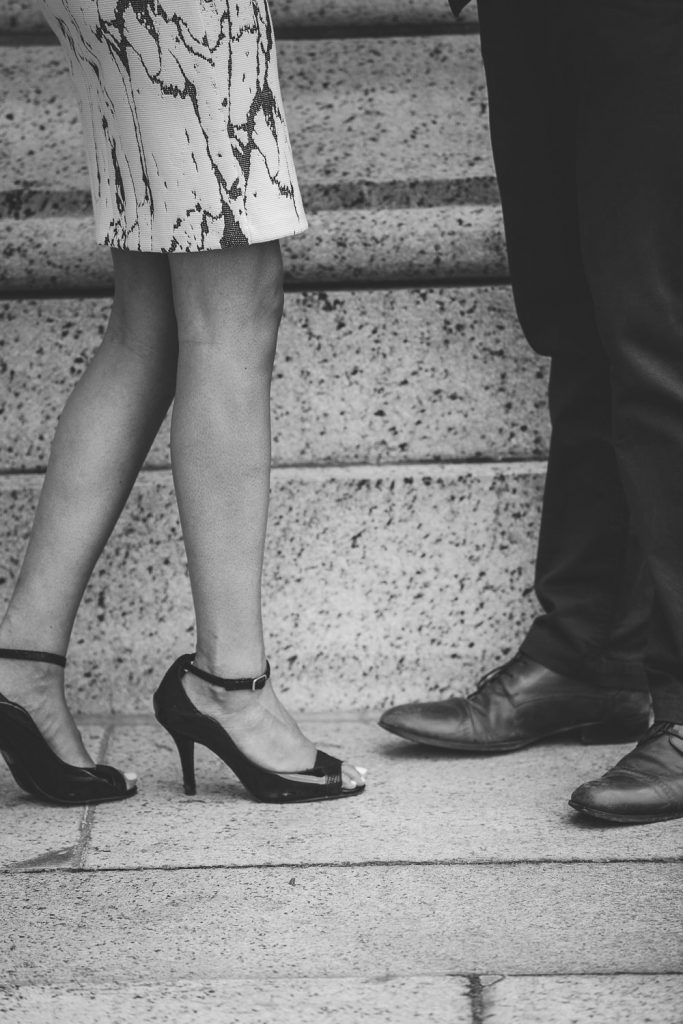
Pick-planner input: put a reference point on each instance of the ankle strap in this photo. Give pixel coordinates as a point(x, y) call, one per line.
point(230, 684)
point(51, 659)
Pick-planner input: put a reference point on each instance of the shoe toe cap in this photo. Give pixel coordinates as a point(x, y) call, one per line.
point(620, 795)
point(403, 716)
point(429, 720)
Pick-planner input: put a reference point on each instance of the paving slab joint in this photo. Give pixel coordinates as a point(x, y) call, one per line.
point(477, 986)
point(85, 828)
point(475, 994)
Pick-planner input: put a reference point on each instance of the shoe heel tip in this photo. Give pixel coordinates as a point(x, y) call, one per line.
point(190, 790)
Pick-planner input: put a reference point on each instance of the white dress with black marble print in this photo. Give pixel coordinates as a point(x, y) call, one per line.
point(184, 127)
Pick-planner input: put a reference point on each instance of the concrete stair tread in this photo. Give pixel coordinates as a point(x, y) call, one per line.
point(422, 807)
point(341, 98)
point(293, 15)
point(397, 375)
point(394, 199)
point(351, 921)
point(346, 908)
point(568, 999)
point(46, 835)
point(306, 1000)
point(583, 1000)
point(53, 255)
point(609, 999)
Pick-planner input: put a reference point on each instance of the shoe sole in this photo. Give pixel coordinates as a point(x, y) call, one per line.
point(512, 745)
point(623, 819)
point(475, 748)
point(31, 787)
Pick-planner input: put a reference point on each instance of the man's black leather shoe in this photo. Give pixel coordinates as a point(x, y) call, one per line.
point(518, 704)
point(646, 785)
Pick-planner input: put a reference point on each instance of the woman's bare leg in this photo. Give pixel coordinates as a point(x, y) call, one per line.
point(104, 433)
point(228, 307)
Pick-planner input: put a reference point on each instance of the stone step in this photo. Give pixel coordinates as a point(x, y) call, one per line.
point(413, 793)
point(583, 1000)
point(441, 244)
point(573, 999)
point(342, 98)
point(401, 375)
point(354, 921)
point(291, 16)
point(384, 194)
point(405, 816)
point(456, 888)
point(396, 579)
point(308, 1000)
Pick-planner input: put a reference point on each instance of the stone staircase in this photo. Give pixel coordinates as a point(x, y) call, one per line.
point(410, 434)
point(409, 421)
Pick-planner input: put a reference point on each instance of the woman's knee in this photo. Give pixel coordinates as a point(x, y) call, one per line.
point(142, 318)
point(230, 302)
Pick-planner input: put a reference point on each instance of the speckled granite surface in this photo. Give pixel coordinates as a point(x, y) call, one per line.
point(341, 98)
point(637, 998)
point(430, 245)
point(364, 376)
point(412, 904)
point(290, 15)
point(362, 920)
point(45, 835)
point(398, 580)
point(389, 198)
point(425, 788)
point(162, 829)
point(455, 889)
point(247, 1001)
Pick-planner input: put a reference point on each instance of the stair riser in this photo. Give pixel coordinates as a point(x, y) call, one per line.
point(341, 98)
point(398, 581)
point(409, 198)
point(342, 247)
point(367, 376)
point(293, 15)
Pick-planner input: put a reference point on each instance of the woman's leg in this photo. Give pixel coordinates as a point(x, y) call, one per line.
point(104, 433)
point(228, 306)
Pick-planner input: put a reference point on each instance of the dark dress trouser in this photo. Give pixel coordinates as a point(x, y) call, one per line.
point(586, 107)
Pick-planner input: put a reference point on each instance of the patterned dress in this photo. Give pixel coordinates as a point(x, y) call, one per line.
point(184, 127)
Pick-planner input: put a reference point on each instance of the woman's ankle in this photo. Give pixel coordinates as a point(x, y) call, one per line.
point(246, 663)
point(19, 634)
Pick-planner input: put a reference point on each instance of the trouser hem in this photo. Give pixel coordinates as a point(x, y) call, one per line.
point(599, 671)
point(667, 697)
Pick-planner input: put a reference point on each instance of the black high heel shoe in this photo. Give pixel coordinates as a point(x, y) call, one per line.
point(35, 766)
point(187, 725)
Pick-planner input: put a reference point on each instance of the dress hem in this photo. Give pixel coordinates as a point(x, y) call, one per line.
point(210, 246)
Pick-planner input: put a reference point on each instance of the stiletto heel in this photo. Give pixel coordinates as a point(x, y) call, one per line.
point(35, 766)
point(185, 745)
point(187, 725)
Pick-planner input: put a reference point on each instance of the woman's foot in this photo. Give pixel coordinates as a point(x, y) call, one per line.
point(38, 687)
point(261, 727)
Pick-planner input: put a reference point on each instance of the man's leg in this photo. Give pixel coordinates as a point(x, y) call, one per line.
point(586, 649)
point(627, 56)
point(589, 576)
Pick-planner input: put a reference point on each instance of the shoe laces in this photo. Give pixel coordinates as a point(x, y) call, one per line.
point(658, 729)
point(496, 675)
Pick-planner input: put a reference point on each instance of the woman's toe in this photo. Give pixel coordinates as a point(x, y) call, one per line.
point(351, 777)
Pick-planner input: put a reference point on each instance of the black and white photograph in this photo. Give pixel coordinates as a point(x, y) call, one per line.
point(341, 530)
